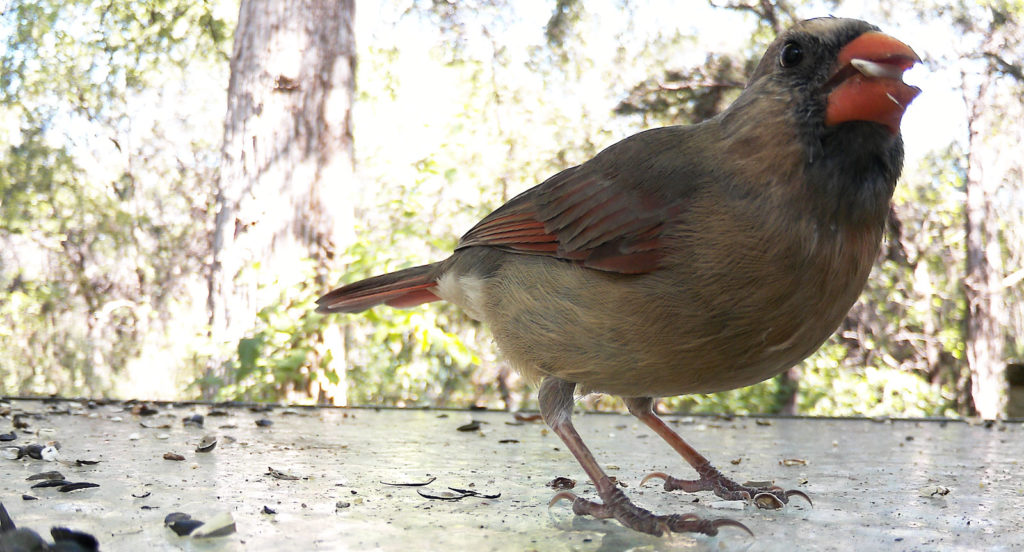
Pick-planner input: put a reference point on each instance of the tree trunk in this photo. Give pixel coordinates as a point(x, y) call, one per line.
point(287, 161)
point(987, 315)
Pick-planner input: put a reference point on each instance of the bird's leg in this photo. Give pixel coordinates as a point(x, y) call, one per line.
point(556, 400)
point(710, 479)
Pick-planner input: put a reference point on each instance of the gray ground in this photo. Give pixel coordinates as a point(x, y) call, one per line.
point(866, 479)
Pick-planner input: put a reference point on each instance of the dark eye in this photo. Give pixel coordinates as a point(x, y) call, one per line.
point(792, 54)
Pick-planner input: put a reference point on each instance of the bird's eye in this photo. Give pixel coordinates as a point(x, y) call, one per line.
point(792, 54)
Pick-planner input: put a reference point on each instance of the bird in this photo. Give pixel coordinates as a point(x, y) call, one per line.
point(688, 259)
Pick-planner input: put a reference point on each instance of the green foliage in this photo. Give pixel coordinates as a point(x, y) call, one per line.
point(281, 357)
point(103, 212)
point(767, 397)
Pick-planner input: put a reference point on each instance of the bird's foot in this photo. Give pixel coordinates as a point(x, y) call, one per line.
point(769, 497)
point(616, 505)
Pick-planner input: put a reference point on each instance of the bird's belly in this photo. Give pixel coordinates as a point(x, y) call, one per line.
point(614, 334)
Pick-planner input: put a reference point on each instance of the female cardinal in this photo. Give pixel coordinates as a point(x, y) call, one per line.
point(689, 259)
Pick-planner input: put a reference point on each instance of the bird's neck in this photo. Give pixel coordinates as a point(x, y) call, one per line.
point(853, 178)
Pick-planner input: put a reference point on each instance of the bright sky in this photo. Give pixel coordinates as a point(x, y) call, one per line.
point(935, 119)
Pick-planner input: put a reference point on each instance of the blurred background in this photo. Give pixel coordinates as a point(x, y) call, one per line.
point(180, 180)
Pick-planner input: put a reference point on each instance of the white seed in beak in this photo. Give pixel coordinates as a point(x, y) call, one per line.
point(877, 70)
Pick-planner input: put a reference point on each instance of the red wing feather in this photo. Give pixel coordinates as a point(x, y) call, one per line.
point(592, 219)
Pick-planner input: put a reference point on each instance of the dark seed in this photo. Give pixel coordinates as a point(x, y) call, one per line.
point(20, 421)
point(45, 475)
point(144, 410)
point(8, 436)
point(35, 450)
point(416, 484)
point(195, 420)
point(207, 443)
point(29, 497)
point(51, 483)
point(77, 486)
point(263, 422)
point(185, 526)
point(173, 456)
point(562, 483)
point(269, 510)
point(471, 426)
point(6, 523)
point(82, 541)
point(175, 516)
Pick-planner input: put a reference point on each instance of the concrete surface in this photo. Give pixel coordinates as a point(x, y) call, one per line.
point(866, 479)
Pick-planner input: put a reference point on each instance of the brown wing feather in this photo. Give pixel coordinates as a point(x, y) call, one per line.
point(604, 219)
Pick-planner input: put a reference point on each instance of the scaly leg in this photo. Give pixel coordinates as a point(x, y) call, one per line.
point(710, 478)
point(556, 400)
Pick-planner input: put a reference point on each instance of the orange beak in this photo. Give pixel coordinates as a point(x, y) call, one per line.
point(868, 82)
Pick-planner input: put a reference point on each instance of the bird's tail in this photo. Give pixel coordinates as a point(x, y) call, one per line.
point(405, 288)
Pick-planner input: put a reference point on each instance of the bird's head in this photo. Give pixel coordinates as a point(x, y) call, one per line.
point(838, 71)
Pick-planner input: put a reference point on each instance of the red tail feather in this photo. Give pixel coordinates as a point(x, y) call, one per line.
point(405, 288)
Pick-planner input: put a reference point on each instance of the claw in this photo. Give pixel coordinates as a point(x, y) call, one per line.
point(768, 501)
point(801, 495)
point(564, 495)
point(726, 522)
point(654, 475)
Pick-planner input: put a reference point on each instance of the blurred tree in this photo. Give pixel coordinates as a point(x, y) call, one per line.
point(992, 85)
point(286, 172)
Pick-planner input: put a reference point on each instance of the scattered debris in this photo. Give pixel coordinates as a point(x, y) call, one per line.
point(471, 426)
point(195, 420)
point(520, 417)
point(508, 441)
point(456, 494)
point(207, 443)
point(77, 486)
point(45, 475)
point(219, 526)
point(173, 456)
point(793, 462)
point(11, 436)
point(277, 474)
point(20, 421)
point(12, 538)
point(264, 422)
point(51, 483)
point(181, 523)
point(561, 483)
point(933, 491)
point(13, 453)
point(268, 510)
point(80, 540)
point(144, 410)
point(427, 482)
